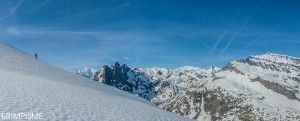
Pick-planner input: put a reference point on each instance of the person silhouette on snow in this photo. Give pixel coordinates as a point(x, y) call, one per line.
point(36, 55)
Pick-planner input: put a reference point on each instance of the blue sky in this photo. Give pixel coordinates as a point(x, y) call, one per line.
point(73, 34)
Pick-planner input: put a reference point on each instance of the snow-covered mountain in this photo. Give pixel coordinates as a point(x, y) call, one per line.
point(263, 87)
point(147, 82)
point(29, 85)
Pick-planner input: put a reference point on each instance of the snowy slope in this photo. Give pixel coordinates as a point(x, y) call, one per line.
point(30, 85)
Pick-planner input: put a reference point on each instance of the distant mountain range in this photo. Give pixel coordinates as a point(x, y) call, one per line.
point(262, 87)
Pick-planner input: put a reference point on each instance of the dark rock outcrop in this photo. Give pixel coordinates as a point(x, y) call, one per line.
point(117, 75)
point(277, 88)
point(231, 68)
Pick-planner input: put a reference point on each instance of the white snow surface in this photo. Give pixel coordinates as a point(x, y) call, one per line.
point(30, 85)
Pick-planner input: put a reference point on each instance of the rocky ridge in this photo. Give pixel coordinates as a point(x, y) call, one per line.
point(263, 87)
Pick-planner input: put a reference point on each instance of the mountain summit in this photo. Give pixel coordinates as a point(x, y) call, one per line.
point(261, 87)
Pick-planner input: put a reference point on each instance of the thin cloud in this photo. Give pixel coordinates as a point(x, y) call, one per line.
point(236, 34)
point(241, 28)
point(266, 33)
point(230, 24)
point(101, 35)
point(218, 41)
point(108, 45)
point(12, 10)
point(127, 58)
point(229, 42)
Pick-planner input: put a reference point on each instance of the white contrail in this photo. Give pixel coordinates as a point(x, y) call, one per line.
point(264, 34)
point(259, 37)
point(225, 33)
point(229, 42)
point(234, 35)
point(12, 10)
point(242, 27)
point(267, 32)
point(218, 42)
point(127, 58)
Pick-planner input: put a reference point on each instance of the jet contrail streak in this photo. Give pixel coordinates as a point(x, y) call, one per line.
point(218, 41)
point(12, 10)
point(233, 36)
point(229, 42)
point(267, 32)
point(239, 30)
point(225, 33)
point(258, 38)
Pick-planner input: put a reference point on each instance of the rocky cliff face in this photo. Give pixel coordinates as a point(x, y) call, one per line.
point(124, 78)
point(263, 87)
